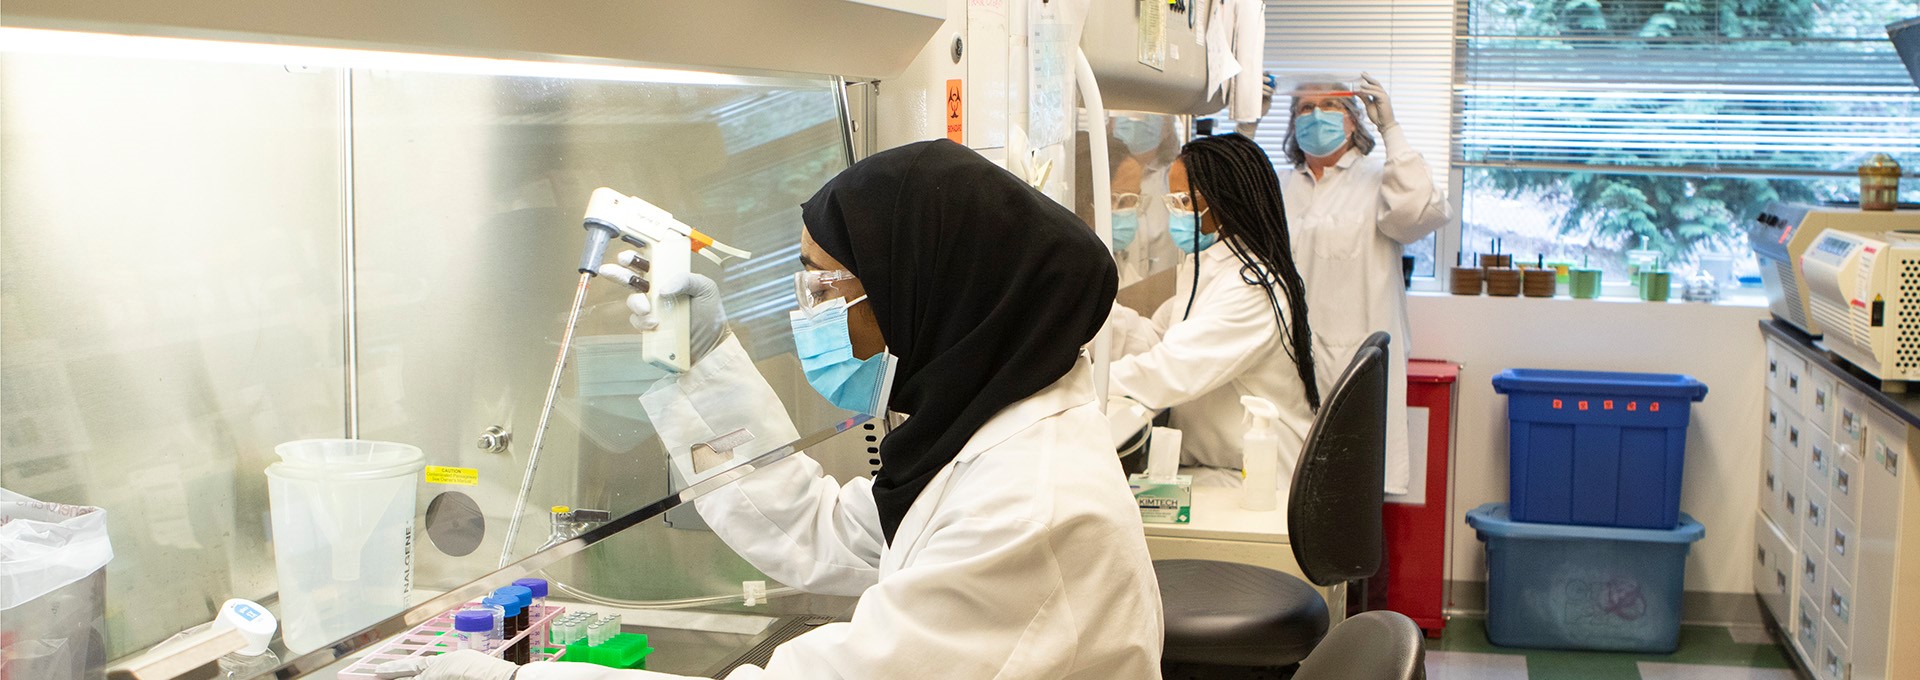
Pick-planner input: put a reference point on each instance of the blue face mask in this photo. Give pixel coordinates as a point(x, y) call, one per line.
point(1139, 134)
point(1185, 227)
point(1125, 225)
point(826, 356)
point(1320, 133)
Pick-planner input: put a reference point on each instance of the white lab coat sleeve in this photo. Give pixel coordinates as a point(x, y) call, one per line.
point(1132, 333)
point(789, 520)
point(801, 527)
point(1231, 327)
point(1410, 205)
point(977, 589)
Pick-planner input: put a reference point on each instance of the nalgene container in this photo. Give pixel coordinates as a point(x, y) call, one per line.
point(342, 513)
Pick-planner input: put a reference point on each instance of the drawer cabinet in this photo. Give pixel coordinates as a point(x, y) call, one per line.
point(1839, 518)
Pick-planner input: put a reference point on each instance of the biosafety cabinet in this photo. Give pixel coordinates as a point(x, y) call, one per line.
point(267, 239)
point(1837, 534)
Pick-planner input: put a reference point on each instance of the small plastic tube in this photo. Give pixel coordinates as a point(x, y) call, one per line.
point(498, 607)
point(473, 628)
point(537, 586)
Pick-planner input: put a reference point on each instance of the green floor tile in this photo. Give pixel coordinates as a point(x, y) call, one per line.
point(1699, 645)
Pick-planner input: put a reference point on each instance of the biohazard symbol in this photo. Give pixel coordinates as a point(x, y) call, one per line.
point(955, 131)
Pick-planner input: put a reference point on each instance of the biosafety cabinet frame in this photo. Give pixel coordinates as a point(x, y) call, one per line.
point(328, 243)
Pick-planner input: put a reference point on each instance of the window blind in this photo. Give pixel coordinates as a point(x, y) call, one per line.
point(1780, 87)
point(1406, 44)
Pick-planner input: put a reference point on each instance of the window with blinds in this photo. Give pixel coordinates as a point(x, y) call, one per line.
point(1587, 127)
point(1406, 44)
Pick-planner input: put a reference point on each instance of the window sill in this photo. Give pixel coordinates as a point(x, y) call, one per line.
point(1741, 297)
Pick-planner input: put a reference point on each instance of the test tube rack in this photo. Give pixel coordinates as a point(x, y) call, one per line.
point(436, 637)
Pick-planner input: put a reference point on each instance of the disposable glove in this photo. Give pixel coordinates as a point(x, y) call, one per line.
point(707, 318)
point(1379, 106)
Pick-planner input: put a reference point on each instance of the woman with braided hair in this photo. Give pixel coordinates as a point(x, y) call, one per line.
point(1237, 323)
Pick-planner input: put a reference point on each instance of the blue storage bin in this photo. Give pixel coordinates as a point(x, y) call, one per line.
point(1602, 449)
point(1560, 586)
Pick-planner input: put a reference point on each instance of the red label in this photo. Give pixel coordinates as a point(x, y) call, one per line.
point(1859, 304)
point(1786, 233)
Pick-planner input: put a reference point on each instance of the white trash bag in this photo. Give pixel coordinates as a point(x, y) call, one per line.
point(51, 556)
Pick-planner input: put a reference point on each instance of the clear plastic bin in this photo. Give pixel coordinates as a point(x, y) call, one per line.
point(1561, 586)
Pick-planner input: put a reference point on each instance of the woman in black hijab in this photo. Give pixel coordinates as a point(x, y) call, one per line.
point(999, 539)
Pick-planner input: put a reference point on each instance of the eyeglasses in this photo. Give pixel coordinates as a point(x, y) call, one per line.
point(814, 286)
point(1127, 202)
point(1179, 201)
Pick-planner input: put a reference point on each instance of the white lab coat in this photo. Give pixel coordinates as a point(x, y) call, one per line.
point(1229, 347)
point(1349, 227)
point(1023, 558)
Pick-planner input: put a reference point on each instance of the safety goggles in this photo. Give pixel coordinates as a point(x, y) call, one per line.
point(1127, 202)
point(814, 286)
point(1179, 201)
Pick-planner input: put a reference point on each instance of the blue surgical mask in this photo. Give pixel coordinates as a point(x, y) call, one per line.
point(821, 339)
point(1185, 227)
point(1320, 133)
point(1139, 135)
point(1125, 225)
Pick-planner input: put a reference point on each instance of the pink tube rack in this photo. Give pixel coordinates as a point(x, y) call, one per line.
point(435, 637)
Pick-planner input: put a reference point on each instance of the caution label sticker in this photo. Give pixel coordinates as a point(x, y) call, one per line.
point(955, 113)
point(452, 475)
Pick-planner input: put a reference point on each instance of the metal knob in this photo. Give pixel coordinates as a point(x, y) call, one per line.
point(495, 439)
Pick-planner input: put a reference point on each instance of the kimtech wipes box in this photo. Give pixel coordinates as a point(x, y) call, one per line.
point(1163, 502)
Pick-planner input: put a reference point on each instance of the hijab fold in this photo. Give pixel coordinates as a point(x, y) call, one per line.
point(984, 289)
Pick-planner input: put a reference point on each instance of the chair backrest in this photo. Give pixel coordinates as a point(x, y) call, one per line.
point(1379, 339)
point(1376, 645)
point(1333, 514)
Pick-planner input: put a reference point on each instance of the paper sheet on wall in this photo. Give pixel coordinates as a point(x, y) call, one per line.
point(1200, 11)
point(1221, 66)
point(1153, 34)
point(1049, 99)
point(987, 107)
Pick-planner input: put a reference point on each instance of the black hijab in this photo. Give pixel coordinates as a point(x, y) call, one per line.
point(984, 289)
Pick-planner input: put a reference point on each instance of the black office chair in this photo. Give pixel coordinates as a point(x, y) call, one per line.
point(1370, 646)
point(1222, 616)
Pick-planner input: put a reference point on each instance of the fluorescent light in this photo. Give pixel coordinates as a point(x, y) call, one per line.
point(39, 41)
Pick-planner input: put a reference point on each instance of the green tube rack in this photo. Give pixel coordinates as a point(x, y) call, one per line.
point(626, 650)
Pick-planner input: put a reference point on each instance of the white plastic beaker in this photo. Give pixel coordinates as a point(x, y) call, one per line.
point(343, 516)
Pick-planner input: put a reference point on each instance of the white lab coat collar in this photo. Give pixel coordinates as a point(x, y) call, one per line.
point(1072, 390)
point(1346, 161)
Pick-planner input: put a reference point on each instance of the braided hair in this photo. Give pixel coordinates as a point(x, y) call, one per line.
point(1235, 177)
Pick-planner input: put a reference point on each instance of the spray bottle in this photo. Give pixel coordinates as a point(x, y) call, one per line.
point(1260, 455)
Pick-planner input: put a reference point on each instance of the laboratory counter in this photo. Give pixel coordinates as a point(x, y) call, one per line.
point(1904, 406)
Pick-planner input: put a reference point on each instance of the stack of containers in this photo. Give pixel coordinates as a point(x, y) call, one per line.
point(1592, 550)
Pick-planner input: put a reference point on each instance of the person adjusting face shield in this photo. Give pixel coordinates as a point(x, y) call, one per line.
point(999, 538)
point(1237, 323)
point(1353, 212)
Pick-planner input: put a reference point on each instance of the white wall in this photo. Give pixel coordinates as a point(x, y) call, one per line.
point(1719, 345)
